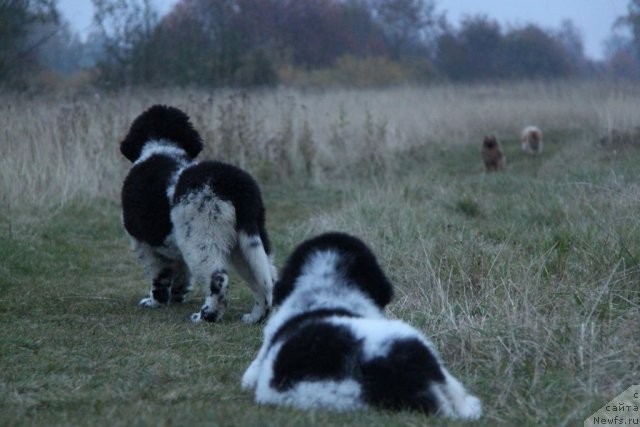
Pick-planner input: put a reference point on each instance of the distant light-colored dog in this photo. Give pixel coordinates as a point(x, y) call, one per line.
point(492, 155)
point(531, 138)
point(189, 220)
point(330, 346)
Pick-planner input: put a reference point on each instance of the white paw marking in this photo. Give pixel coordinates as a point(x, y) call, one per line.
point(471, 409)
point(196, 317)
point(206, 315)
point(149, 302)
point(250, 377)
point(250, 319)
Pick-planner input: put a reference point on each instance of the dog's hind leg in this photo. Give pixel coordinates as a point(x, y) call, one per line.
point(160, 272)
point(215, 301)
point(207, 260)
point(181, 283)
point(255, 267)
point(455, 401)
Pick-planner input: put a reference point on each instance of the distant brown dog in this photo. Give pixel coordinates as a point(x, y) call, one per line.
point(531, 138)
point(492, 155)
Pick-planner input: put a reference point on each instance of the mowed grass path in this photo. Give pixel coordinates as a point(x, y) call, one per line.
point(527, 281)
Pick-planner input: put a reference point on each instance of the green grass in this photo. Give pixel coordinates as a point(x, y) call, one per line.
point(526, 280)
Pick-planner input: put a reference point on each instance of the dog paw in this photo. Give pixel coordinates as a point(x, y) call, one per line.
point(207, 316)
point(149, 302)
point(249, 319)
point(253, 318)
point(250, 377)
point(471, 409)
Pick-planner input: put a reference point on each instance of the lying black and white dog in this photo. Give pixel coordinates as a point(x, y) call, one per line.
point(329, 345)
point(188, 219)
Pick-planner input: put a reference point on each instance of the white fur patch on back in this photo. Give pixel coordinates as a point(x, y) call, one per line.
point(378, 335)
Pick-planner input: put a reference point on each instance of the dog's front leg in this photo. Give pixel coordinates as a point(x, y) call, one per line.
point(251, 375)
point(159, 294)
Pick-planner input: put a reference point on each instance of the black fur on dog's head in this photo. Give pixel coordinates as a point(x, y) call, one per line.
point(161, 122)
point(490, 142)
point(357, 264)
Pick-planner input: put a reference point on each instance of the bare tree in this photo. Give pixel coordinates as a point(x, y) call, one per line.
point(126, 27)
point(18, 18)
point(407, 24)
point(632, 21)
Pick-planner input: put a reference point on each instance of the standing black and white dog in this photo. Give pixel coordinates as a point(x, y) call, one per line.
point(329, 345)
point(188, 219)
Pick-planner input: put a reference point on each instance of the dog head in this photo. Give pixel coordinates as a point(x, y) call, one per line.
point(356, 263)
point(165, 123)
point(490, 142)
point(531, 133)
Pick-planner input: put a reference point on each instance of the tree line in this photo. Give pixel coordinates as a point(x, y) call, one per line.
point(251, 42)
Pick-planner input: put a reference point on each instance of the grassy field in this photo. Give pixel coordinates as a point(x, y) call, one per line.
point(527, 281)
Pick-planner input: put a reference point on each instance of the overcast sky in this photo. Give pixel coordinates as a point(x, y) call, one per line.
point(593, 17)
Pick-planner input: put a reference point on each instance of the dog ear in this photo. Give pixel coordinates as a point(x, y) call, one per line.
point(361, 267)
point(290, 273)
point(282, 289)
point(131, 145)
point(161, 122)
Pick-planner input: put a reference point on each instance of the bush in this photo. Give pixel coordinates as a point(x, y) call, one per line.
point(358, 72)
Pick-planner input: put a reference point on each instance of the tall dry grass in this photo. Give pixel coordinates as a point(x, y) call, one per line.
point(54, 148)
